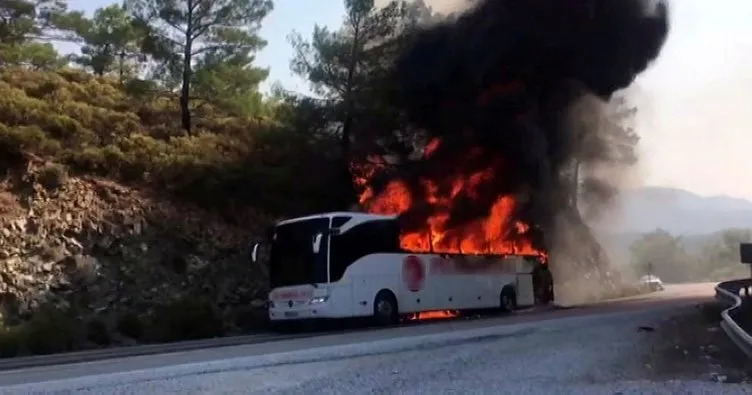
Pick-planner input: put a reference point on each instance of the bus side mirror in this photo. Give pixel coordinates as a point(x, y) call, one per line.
point(254, 252)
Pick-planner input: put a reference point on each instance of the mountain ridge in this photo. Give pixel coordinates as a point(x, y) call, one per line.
point(677, 211)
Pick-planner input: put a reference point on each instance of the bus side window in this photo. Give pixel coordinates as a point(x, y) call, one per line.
point(367, 238)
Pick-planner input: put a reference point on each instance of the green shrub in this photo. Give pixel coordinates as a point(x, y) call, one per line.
point(130, 324)
point(132, 133)
point(11, 342)
point(27, 139)
point(98, 333)
point(75, 76)
point(51, 331)
point(53, 176)
point(186, 319)
point(252, 318)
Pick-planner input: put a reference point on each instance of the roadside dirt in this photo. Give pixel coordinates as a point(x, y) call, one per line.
point(692, 345)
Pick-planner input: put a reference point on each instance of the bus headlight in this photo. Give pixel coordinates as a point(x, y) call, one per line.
point(318, 300)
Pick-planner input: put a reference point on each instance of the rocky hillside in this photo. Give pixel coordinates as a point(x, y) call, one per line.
point(141, 268)
point(122, 227)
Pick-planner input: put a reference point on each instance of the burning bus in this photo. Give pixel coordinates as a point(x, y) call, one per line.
point(486, 159)
point(352, 264)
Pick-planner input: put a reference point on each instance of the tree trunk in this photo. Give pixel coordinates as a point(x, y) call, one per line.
point(347, 124)
point(349, 105)
point(185, 91)
point(121, 66)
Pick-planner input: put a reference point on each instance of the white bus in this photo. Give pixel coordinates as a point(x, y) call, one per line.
point(350, 264)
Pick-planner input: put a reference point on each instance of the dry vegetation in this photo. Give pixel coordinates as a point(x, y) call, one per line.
point(95, 127)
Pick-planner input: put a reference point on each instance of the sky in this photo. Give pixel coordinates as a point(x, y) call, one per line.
point(695, 102)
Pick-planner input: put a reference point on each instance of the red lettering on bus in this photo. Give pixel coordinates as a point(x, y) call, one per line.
point(413, 273)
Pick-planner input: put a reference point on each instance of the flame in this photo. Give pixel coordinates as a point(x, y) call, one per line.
point(433, 315)
point(495, 234)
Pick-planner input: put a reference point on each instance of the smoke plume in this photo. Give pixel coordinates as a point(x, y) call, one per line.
point(498, 88)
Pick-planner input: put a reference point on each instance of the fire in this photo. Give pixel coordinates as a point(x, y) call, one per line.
point(433, 315)
point(495, 234)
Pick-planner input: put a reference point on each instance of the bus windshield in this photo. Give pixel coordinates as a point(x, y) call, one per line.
point(292, 259)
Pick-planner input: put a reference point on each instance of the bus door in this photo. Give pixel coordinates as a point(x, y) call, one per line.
point(525, 281)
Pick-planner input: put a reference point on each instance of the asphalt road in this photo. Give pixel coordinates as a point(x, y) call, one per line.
point(576, 350)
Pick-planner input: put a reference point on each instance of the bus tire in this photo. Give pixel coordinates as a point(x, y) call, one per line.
point(507, 300)
point(385, 309)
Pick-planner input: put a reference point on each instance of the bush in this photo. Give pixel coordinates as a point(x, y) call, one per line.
point(133, 134)
point(53, 176)
point(252, 318)
point(130, 324)
point(11, 342)
point(51, 331)
point(186, 319)
point(98, 333)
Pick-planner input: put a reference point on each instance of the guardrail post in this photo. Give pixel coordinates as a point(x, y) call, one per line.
point(745, 253)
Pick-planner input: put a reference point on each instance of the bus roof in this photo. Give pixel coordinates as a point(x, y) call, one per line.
point(358, 216)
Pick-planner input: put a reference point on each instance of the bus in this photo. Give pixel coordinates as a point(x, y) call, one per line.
point(349, 264)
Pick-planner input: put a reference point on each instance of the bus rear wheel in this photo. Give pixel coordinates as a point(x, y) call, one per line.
point(507, 300)
point(385, 311)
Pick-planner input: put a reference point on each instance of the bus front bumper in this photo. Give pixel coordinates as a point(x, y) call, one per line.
point(314, 309)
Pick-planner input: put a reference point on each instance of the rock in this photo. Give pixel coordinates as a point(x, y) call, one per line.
point(73, 245)
point(19, 225)
point(54, 253)
point(195, 263)
point(48, 267)
point(96, 245)
point(81, 269)
point(6, 277)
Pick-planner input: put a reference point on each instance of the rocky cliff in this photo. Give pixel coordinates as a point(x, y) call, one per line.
point(99, 251)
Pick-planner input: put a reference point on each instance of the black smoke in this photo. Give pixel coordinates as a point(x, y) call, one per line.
point(499, 81)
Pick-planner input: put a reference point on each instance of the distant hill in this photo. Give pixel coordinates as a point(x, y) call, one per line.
point(679, 212)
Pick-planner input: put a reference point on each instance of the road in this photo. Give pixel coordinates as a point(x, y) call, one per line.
point(578, 350)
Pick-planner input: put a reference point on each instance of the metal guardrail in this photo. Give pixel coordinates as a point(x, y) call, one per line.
point(737, 294)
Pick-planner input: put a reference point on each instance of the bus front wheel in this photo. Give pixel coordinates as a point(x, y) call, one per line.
point(508, 300)
point(385, 309)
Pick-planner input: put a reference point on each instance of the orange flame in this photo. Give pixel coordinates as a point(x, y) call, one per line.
point(433, 315)
point(490, 235)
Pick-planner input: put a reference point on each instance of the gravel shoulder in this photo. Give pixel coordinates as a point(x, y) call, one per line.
point(691, 345)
